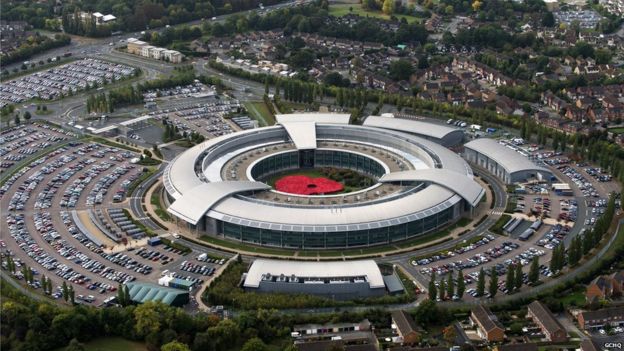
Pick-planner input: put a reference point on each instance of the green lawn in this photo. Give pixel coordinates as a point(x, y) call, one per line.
point(259, 111)
point(574, 299)
point(112, 344)
point(339, 10)
point(618, 130)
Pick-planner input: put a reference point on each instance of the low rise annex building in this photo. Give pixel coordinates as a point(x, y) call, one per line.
point(338, 280)
point(503, 162)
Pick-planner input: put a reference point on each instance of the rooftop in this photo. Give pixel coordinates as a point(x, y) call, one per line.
point(486, 318)
point(336, 269)
point(144, 292)
point(509, 159)
point(433, 130)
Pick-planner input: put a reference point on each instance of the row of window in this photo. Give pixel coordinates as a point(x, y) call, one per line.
point(321, 158)
point(308, 240)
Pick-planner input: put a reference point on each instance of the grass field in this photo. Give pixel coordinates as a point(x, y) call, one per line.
point(112, 344)
point(340, 10)
point(618, 130)
point(259, 111)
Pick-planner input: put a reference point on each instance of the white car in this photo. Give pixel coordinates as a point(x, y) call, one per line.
point(177, 236)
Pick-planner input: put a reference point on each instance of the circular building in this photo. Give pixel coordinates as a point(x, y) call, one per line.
point(392, 186)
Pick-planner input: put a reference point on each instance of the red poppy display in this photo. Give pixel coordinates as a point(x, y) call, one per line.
point(304, 185)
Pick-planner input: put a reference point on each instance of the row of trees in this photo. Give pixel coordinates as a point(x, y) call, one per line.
point(34, 45)
point(32, 325)
point(454, 288)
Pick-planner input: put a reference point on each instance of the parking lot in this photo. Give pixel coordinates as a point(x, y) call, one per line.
point(63, 80)
point(490, 251)
point(207, 118)
point(43, 203)
point(17, 143)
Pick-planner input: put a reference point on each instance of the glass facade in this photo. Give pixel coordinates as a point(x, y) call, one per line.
point(344, 239)
point(317, 158)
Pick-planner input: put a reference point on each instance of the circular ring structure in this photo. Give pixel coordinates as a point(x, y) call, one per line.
point(419, 185)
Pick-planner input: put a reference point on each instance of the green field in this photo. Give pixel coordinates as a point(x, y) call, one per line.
point(259, 111)
point(112, 344)
point(618, 130)
point(340, 10)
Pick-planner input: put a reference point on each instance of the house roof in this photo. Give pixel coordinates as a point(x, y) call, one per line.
point(486, 318)
point(543, 314)
point(404, 322)
point(605, 313)
point(590, 345)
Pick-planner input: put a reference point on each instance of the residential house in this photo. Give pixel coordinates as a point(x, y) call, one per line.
point(405, 327)
point(591, 345)
point(602, 287)
point(613, 316)
point(488, 325)
point(547, 322)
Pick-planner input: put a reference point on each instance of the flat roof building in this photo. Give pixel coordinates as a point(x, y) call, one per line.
point(503, 162)
point(438, 133)
point(340, 280)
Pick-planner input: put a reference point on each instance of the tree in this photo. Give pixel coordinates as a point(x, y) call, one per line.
point(481, 283)
point(519, 276)
point(461, 284)
point(72, 296)
point(27, 116)
point(450, 286)
point(175, 346)
point(493, 287)
point(442, 289)
point(65, 291)
point(17, 120)
point(433, 293)
point(509, 280)
point(388, 7)
point(534, 271)
point(548, 20)
point(75, 345)
point(121, 299)
point(255, 344)
point(401, 69)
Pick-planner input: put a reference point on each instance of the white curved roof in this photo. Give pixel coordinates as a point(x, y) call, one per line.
point(195, 203)
point(326, 118)
point(507, 158)
point(461, 184)
point(339, 217)
point(182, 179)
point(303, 134)
point(434, 130)
point(307, 269)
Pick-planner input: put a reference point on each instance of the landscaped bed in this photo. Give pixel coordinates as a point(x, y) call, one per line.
point(304, 185)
